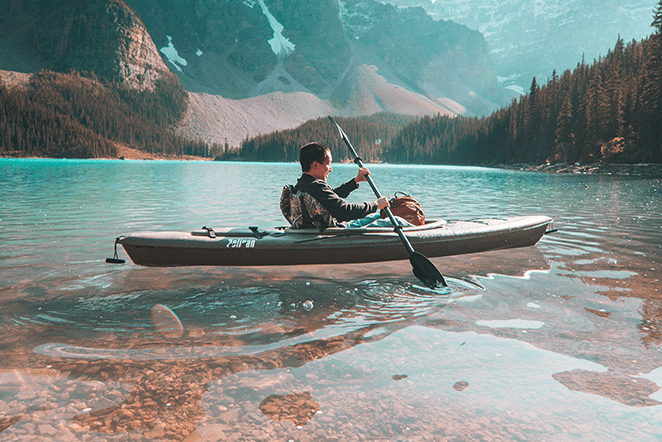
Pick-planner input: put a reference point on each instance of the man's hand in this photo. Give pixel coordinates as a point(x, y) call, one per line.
point(361, 176)
point(382, 202)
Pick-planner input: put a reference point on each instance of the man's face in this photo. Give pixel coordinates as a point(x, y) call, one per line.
point(320, 171)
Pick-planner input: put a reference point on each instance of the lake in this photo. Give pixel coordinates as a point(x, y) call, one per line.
point(560, 341)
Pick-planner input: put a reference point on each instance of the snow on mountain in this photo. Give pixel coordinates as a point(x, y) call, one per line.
point(279, 44)
point(252, 66)
point(341, 57)
point(173, 56)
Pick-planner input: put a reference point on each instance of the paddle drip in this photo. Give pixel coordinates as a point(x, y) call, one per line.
point(115, 259)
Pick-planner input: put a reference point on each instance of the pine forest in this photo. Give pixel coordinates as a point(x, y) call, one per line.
point(368, 134)
point(73, 115)
point(610, 110)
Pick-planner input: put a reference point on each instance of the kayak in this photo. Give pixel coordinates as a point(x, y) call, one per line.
point(251, 246)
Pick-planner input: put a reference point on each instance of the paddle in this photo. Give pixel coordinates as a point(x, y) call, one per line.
point(422, 267)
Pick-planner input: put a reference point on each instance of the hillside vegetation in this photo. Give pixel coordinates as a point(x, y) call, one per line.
point(367, 134)
point(610, 110)
point(77, 116)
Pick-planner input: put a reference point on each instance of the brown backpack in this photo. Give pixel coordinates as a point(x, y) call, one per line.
point(405, 206)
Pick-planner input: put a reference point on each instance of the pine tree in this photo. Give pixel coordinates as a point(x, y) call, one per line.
point(564, 142)
point(657, 17)
point(534, 89)
point(616, 119)
point(651, 95)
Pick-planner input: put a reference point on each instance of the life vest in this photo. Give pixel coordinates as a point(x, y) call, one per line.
point(302, 211)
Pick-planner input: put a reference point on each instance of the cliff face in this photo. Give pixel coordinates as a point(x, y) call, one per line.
point(224, 43)
point(234, 49)
point(321, 54)
point(104, 36)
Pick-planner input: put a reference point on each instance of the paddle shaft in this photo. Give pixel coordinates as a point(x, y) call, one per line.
point(423, 268)
point(396, 225)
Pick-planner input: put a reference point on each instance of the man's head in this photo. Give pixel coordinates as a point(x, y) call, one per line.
point(316, 160)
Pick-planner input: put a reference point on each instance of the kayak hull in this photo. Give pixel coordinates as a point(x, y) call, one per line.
point(245, 247)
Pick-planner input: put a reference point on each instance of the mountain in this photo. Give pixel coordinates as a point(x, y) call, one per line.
point(249, 48)
point(255, 66)
point(104, 36)
point(608, 111)
point(530, 38)
point(265, 65)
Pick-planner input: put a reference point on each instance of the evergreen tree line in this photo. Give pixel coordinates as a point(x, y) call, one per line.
point(77, 116)
point(367, 135)
point(610, 110)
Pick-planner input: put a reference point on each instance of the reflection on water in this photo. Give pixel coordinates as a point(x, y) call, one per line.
point(558, 341)
point(628, 390)
point(165, 379)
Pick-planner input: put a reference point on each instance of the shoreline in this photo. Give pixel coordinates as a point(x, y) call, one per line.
point(123, 153)
point(647, 170)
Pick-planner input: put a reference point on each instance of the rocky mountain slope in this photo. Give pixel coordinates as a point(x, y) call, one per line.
point(254, 66)
point(103, 36)
point(530, 38)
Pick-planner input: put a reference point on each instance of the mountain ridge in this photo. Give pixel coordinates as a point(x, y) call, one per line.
point(223, 54)
point(530, 38)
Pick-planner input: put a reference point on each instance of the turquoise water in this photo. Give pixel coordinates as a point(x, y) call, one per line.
point(560, 341)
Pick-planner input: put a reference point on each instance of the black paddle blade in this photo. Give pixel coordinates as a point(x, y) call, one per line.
point(426, 272)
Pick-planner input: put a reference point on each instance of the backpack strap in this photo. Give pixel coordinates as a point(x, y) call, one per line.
point(285, 204)
point(318, 215)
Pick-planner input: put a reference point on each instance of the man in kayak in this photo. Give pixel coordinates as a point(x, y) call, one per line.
point(315, 162)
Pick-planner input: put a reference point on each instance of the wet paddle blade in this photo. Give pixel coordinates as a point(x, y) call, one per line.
point(166, 322)
point(426, 272)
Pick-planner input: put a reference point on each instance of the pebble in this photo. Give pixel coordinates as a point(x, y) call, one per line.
point(298, 408)
point(190, 400)
point(645, 170)
point(460, 386)
point(47, 430)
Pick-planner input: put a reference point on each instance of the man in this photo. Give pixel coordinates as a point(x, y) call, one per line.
point(315, 162)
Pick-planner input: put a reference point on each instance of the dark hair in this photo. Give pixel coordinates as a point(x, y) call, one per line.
point(310, 153)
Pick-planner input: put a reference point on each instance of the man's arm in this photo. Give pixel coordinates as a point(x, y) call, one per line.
point(332, 200)
point(345, 189)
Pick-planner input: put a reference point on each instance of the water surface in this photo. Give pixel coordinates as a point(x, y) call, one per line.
point(559, 341)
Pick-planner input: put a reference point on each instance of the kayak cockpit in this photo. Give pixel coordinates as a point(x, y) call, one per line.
point(355, 230)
